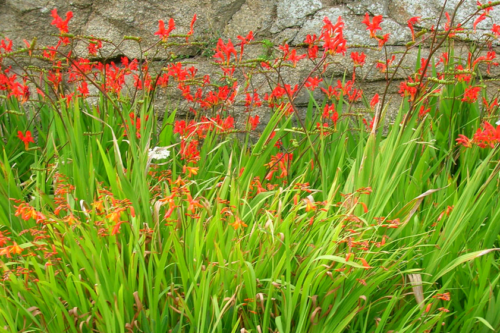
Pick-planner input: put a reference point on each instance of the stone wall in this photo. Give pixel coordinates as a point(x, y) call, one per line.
point(275, 20)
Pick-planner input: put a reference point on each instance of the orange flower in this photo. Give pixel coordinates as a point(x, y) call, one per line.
point(238, 223)
point(309, 204)
point(365, 263)
point(71, 219)
point(26, 211)
point(115, 216)
point(16, 249)
point(193, 204)
point(444, 297)
point(190, 170)
point(116, 228)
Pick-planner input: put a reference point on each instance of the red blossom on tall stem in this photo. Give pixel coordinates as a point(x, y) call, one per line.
point(411, 22)
point(164, 33)
point(6, 45)
point(224, 51)
point(333, 37)
point(423, 111)
point(191, 27)
point(253, 121)
point(94, 46)
point(374, 25)
point(487, 136)
point(358, 58)
point(496, 30)
point(447, 26)
point(464, 141)
point(382, 40)
point(374, 101)
point(244, 41)
point(26, 138)
point(483, 15)
point(61, 24)
point(471, 94)
point(313, 82)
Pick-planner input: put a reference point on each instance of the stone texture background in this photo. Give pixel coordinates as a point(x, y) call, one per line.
point(275, 20)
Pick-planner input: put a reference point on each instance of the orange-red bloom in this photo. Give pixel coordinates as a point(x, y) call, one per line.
point(191, 27)
point(464, 141)
point(374, 25)
point(238, 223)
point(358, 58)
point(411, 22)
point(253, 121)
point(471, 94)
point(164, 33)
point(26, 138)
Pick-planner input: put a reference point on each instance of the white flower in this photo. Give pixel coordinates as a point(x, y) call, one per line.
point(497, 123)
point(158, 153)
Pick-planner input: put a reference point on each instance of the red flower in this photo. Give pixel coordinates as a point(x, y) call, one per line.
point(333, 37)
point(335, 119)
point(464, 141)
point(293, 57)
point(448, 27)
point(116, 228)
point(224, 51)
point(443, 297)
point(313, 82)
point(358, 59)
point(61, 24)
point(180, 127)
point(374, 25)
point(408, 88)
point(7, 47)
point(253, 121)
point(374, 101)
point(488, 136)
point(331, 92)
point(244, 41)
point(191, 27)
point(423, 111)
point(496, 30)
point(480, 18)
point(411, 22)
point(164, 33)
point(83, 89)
point(443, 59)
point(490, 107)
point(471, 94)
point(327, 110)
point(312, 50)
point(462, 77)
point(94, 46)
point(25, 138)
point(483, 15)
point(383, 40)
point(228, 123)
